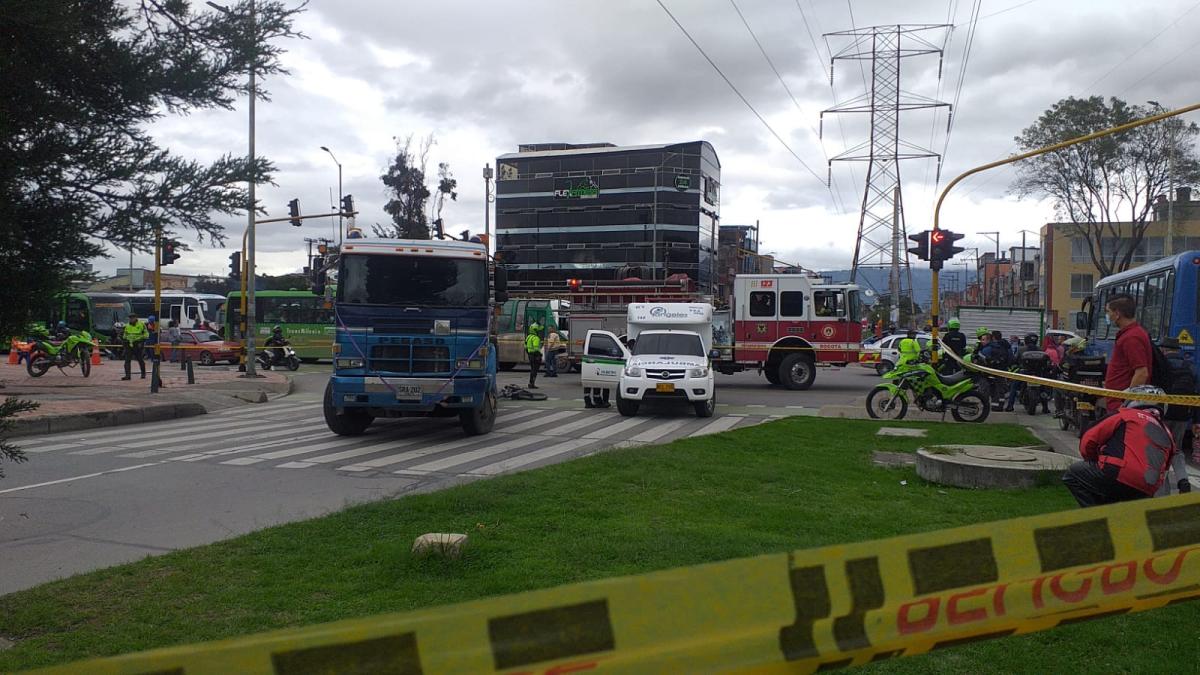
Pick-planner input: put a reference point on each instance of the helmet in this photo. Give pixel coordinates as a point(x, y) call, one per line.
point(62, 324)
point(1144, 389)
point(953, 324)
point(150, 318)
point(1075, 344)
point(981, 331)
point(1031, 340)
point(277, 329)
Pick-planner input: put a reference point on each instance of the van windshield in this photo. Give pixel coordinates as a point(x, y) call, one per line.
point(668, 343)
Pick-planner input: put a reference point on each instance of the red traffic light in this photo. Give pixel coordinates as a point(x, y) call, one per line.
point(936, 237)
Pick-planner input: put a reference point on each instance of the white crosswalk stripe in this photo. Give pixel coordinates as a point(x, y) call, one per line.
point(542, 421)
point(460, 460)
point(718, 425)
point(138, 440)
point(389, 460)
point(617, 428)
point(589, 420)
point(660, 431)
point(389, 444)
point(527, 458)
point(285, 434)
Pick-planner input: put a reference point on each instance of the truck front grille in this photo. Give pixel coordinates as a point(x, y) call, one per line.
point(411, 359)
point(665, 374)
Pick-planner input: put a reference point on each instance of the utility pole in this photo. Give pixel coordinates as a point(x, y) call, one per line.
point(994, 236)
point(882, 214)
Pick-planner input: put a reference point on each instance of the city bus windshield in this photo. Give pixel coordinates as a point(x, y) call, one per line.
point(412, 281)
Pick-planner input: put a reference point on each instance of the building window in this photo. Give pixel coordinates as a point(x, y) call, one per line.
point(1081, 285)
point(762, 303)
point(1079, 250)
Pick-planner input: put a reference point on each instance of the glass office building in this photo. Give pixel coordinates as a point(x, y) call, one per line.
point(600, 212)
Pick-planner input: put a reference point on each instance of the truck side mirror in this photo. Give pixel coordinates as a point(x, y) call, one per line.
point(500, 283)
point(1082, 322)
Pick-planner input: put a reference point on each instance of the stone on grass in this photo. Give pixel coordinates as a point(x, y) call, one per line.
point(441, 544)
point(900, 431)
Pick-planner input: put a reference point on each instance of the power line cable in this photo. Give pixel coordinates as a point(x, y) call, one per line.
point(836, 194)
point(1143, 46)
point(739, 94)
point(962, 75)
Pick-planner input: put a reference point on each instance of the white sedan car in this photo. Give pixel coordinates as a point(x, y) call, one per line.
point(888, 351)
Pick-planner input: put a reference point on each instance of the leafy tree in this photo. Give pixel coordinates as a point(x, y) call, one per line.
point(81, 81)
point(447, 187)
point(1105, 189)
point(405, 182)
point(8, 409)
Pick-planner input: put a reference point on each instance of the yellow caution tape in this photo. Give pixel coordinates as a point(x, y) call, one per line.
point(830, 607)
point(1177, 399)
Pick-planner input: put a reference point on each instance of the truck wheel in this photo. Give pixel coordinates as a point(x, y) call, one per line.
point(797, 372)
point(506, 366)
point(706, 408)
point(626, 407)
point(479, 421)
point(772, 376)
point(352, 423)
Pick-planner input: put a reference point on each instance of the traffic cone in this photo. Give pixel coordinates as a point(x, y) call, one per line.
point(14, 354)
point(96, 356)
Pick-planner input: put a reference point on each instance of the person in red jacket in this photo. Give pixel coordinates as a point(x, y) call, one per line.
point(1125, 455)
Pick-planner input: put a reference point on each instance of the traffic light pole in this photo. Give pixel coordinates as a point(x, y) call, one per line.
point(937, 209)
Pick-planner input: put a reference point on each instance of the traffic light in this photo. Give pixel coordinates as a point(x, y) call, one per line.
point(169, 256)
point(235, 265)
point(294, 212)
point(348, 205)
point(921, 250)
point(941, 246)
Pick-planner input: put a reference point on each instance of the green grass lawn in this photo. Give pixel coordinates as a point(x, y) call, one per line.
point(797, 483)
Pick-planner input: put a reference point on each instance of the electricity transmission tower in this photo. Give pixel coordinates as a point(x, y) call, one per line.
point(882, 237)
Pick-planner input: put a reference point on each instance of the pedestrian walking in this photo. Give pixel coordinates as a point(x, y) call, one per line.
point(1132, 355)
point(1125, 455)
point(553, 346)
point(175, 337)
point(133, 338)
point(533, 350)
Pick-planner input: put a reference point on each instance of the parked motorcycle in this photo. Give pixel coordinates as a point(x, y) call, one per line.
point(76, 350)
point(1072, 409)
point(1033, 394)
point(269, 358)
point(932, 392)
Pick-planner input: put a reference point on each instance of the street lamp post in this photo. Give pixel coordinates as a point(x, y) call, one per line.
point(341, 227)
point(251, 328)
point(488, 198)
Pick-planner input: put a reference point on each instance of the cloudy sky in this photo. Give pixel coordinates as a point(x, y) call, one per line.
point(485, 76)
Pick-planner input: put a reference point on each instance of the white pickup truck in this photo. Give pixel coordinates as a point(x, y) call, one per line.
point(670, 359)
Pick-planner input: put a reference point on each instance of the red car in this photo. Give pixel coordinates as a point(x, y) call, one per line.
point(204, 347)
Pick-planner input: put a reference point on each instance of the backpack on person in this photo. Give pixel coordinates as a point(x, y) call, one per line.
point(1174, 375)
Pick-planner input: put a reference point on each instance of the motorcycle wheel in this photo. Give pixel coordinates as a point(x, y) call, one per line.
point(85, 361)
point(881, 405)
point(293, 363)
point(264, 363)
point(971, 407)
point(1030, 401)
point(37, 365)
point(1061, 411)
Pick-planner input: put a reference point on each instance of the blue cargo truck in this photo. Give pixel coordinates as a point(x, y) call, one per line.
point(413, 334)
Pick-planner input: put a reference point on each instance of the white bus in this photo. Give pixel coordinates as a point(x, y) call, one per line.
point(187, 309)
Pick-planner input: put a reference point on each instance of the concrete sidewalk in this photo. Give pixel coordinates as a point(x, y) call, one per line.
point(70, 401)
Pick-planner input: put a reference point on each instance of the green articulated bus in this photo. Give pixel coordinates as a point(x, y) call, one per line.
point(307, 323)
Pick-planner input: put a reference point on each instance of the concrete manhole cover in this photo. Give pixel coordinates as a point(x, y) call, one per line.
point(1001, 454)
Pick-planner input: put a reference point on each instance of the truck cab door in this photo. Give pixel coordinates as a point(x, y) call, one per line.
point(604, 358)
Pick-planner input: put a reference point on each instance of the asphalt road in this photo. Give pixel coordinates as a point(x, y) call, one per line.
point(90, 499)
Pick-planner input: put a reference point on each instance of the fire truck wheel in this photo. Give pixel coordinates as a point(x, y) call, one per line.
point(797, 372)
point(772, 375)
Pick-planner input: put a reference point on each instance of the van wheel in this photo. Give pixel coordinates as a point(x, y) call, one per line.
point(352, 423)
point(626, 407)
point(706, 408)
point(797, 372)
point(506, 366)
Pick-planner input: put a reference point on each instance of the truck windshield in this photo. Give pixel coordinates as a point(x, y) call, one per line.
point(412, 281)
point(668, 343)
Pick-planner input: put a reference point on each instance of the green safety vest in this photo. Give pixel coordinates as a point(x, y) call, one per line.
point(135, 332)
point(533, 343)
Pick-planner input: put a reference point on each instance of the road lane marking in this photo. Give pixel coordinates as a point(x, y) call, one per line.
point(716, 426)
point(75, 478)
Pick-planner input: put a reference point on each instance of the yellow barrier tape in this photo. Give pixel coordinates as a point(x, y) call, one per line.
point(835, 606)
point(1178, 399)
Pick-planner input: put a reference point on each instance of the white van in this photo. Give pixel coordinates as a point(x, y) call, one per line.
point(669, 358)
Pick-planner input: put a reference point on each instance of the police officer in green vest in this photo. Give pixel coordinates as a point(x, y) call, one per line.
point(533, 349)
point(134, 337)
point(910, 349)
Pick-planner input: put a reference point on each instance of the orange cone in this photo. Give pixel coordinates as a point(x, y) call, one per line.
point(13, 354)
point(96, 356)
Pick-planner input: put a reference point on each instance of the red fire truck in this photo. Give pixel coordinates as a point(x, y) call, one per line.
point(783, 325)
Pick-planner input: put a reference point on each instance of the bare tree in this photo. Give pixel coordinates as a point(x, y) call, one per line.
point(1105, 189)
point(447, 187)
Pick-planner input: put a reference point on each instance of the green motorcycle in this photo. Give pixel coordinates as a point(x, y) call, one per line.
point(76, 350)
point(931, 391)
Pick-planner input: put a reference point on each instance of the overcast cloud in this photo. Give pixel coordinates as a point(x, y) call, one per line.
point(485, 76)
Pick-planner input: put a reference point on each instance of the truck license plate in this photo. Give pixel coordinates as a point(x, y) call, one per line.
point(1083, 405)
point(408, 392)
point(665, 388)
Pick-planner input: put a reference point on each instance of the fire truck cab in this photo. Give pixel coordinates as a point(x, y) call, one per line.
point(785, 325)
